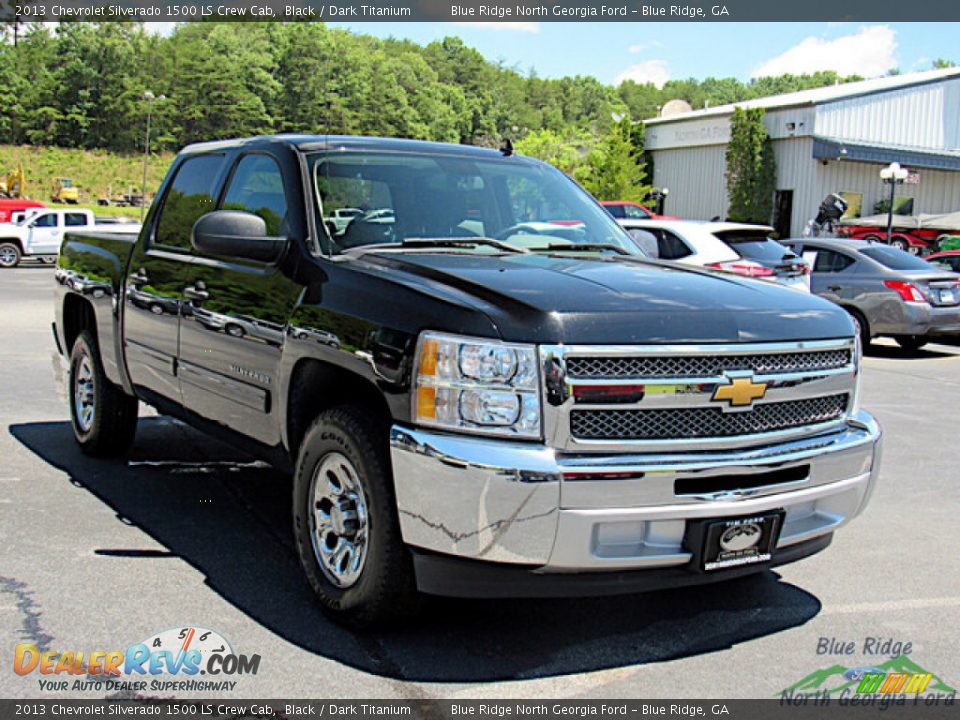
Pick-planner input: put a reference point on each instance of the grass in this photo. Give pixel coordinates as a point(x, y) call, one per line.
point(95, 172)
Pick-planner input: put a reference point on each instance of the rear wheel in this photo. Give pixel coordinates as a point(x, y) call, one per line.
point(345, 521)
point(104, 418)
point(9, 255)
point(911, 342)
point(900, 244)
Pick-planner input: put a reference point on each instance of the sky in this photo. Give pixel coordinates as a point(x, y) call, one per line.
point(657, 52)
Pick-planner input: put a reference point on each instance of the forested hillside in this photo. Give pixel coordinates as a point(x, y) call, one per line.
point(82, 85)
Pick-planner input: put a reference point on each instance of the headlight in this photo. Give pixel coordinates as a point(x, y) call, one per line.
point(476, 385)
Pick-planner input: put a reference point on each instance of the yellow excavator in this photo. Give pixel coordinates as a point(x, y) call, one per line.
point(64, 191)
point(14, 185)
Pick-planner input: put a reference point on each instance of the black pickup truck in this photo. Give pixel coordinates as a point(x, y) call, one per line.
point(477, 391)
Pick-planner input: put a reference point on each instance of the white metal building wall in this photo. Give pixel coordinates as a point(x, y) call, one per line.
point(923, 116)
point(694, 176)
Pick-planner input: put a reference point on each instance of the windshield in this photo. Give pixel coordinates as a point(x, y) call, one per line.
point(896, 259)
point(404, 197)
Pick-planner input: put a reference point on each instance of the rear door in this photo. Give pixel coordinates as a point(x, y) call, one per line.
point(236, 310)
point(157, 275)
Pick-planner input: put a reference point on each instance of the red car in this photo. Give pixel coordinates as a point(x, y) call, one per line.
point(948, 260)
point(626, 210)
point(10, 206)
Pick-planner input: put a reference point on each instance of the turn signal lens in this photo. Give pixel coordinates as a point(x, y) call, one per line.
point(747, 268)
point(907, 291)
point(477, 385)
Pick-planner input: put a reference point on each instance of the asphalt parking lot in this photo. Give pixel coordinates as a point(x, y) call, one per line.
point(98, 555)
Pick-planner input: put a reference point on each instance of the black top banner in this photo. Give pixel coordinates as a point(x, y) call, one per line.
point(474, 11)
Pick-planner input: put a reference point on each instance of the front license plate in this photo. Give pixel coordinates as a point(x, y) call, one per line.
point(744, 541)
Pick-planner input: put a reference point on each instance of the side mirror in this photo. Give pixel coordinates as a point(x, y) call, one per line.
point(236, 234)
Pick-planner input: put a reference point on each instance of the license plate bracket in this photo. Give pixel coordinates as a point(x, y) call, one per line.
point(720, 544)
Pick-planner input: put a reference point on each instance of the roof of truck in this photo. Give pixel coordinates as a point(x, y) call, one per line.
point(349, 142)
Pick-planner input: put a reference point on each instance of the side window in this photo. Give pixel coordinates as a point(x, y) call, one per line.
point(636, 213)
point(46, 221)
point(190, 196)
point(75, 219)
point(830, 261)
point(616, 210)
point(672, 247)
point(257, 187)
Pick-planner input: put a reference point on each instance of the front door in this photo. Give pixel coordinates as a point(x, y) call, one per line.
point(157, 275)
point(46, 231)
point(236, 311)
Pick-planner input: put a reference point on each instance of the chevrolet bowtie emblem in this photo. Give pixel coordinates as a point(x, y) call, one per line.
point(741, 392)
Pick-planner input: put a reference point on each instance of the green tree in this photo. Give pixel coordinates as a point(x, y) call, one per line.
point(751, 168)
point(614, 169)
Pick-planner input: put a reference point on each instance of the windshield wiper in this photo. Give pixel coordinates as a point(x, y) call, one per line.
point(578, 247)
point(453, 242)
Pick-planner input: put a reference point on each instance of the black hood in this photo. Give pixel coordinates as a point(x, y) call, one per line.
point(542, 298)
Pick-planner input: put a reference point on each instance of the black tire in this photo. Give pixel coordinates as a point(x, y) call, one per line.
point(10, 255)
point(910, 342)
point(384, 589)
point(862, 327)
point(108, 430)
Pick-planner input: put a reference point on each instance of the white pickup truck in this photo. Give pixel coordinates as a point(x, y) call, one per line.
point(40, 233)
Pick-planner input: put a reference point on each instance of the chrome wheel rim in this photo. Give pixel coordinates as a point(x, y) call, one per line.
point(339, 525)
point(8, 256)
point(83, 401)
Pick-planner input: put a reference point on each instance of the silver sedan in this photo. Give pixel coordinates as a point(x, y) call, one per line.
point(887, 291)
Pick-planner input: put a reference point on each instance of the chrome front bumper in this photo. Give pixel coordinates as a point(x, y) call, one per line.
point(525, 504)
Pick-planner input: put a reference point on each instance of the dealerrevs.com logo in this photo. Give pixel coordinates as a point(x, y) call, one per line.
point(172, 660)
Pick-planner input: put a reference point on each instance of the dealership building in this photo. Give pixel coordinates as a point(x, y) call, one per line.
point(832, 139)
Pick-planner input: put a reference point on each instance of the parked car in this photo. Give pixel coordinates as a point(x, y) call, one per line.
point(888, 292)
point(627, 210)
point(38, 236)
point(947, 260)
point(9, 206)
point(460, 416)
point(733, 247)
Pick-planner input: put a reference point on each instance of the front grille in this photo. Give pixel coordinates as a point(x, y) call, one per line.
point(695, 366)
point(704, 422)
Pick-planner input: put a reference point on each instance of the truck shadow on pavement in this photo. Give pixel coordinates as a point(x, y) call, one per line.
point(229, 517)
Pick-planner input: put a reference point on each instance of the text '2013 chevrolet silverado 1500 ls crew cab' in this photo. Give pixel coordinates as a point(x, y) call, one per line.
point(477, 391)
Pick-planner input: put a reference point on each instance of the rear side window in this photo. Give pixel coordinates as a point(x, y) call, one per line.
point(257, 187)
point(190, 196)
point(830, 261)
point(635, 213)
point(755, 247)
point(671, 247)
point(894, 258)
point(616, 210)
point(75, 219)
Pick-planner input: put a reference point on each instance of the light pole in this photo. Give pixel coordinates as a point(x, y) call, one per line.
point(892, 175)
point(149, 97)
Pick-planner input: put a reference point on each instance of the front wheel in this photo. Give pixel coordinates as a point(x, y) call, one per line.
point(104, 418)
point(900, 244)
point(9, 255)
point(345, 521)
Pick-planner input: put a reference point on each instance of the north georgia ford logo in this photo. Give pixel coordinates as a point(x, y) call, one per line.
point(740, 537)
